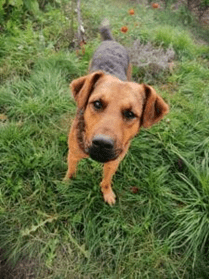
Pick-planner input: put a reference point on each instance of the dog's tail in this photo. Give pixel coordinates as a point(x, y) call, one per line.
point(105, 30)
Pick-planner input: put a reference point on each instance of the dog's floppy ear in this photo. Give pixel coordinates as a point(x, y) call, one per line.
point(154, 107)
point(83, 87)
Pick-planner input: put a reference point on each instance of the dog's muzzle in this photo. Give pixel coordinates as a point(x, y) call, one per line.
point(102, 149)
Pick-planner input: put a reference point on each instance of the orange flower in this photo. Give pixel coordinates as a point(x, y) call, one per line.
point(131, 12)
point(124, 29)
point(155, 5)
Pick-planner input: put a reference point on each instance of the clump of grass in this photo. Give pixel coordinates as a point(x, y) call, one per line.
point(191, 233)
point(180, 40)
point(45, 92)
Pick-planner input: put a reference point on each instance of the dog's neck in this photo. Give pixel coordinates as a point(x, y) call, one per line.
point(81, 129)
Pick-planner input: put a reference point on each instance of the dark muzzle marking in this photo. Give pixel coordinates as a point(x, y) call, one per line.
point(102, 149)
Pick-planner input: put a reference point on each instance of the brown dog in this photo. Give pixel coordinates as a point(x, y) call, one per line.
point(110, 111)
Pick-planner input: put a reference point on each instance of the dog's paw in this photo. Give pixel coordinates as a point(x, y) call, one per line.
point(68, 176)
point(109, 197)
point(66, 179)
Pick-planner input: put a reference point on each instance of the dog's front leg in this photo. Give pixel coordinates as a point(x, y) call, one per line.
point(108, 171)
point(75, 154)
point(72, 161)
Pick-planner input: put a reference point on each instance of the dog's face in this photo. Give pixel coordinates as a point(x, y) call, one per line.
point(112, 117)
point(113, 112)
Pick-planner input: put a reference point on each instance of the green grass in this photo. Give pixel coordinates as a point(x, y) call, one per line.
point(66, 229)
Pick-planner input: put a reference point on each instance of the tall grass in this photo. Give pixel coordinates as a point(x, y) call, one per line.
point(160, 223)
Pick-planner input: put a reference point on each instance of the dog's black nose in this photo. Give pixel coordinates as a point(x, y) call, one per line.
point(103, 142)
point(102, 148)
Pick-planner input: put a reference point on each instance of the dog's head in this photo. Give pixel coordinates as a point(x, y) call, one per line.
point(113, 112)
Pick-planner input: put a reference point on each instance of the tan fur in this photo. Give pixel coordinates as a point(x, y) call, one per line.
point(117, 96)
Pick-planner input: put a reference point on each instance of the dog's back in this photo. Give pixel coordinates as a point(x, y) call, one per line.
point(110, 57)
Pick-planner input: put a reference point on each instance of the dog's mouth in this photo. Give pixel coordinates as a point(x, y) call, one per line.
point(101, 155)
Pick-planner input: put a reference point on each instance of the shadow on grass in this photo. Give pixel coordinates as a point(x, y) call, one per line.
point(23, 269)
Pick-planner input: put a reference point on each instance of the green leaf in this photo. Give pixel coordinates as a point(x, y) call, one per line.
point(32, 6)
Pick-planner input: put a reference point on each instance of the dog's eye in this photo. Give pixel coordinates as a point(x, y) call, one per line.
point(128, 114)
point(97, 104)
